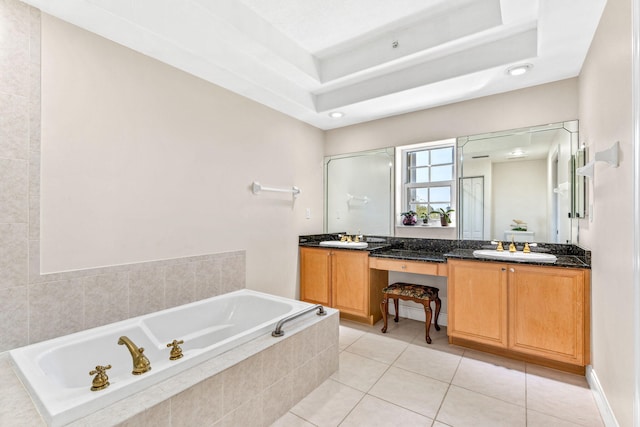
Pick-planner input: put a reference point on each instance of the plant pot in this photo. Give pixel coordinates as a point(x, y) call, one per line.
point(409, 220)
point(444, 221)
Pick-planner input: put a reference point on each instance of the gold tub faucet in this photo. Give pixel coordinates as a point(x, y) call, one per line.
point(101, 380)
point(140, 362)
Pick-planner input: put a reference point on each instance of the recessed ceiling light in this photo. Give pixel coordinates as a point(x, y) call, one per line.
point(516, 154)
point(336, 114)
point(518, 70)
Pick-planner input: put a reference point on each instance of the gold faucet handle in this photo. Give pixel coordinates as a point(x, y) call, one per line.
point(176, 351)
point(101, 380)
point(526, 248)
point(499, 248)
point(356, 239)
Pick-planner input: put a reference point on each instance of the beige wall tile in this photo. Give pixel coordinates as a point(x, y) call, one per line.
point(277, 361)
point(14, 126)
point(198, 403)
point(327, 363)
point(13, 191)
point(14, 31)
point(106, 299)
point(180, 284)
point(156, 416)
point(305, 379)
point(208, 279)
point(328, 332)
point(242, 382)
point(13, 255)
point(13, 318)
point(14, 78)
point(277, 400)
point(249, 414)
point(146, 290)
point(55, 309)
point(232, 272)
point(304, 346)
point(17, 408)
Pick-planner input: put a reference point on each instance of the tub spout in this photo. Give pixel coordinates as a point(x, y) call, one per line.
point(140, 362)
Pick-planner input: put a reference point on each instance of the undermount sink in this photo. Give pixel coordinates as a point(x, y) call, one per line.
point(514, 256)
point(339, 244)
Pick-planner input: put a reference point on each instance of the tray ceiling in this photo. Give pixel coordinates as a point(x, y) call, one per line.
point(367, 59)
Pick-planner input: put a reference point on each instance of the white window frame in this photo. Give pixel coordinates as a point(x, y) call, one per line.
point(402, 169)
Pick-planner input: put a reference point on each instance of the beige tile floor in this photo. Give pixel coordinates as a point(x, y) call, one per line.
point(396, 379)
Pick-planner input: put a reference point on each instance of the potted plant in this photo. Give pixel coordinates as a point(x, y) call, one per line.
point(423, 213)
point(409, 218)
point(445, 216)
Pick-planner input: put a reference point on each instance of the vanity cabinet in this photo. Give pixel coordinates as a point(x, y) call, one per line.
point(477, 303)
point(538, 313)
point(315, 276)
point(341, 279)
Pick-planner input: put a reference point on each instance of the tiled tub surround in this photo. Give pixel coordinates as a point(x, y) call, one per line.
point(55, 371)
point(62, 303)
point(253, 384)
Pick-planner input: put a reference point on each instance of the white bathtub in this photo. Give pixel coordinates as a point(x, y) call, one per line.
point(56, 372)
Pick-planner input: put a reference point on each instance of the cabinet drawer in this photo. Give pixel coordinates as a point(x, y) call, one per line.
point(431, 268)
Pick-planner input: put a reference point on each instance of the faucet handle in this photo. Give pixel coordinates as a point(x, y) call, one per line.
point(176, 351)
point(499, 248)
point(526, 248)
point(101, 380)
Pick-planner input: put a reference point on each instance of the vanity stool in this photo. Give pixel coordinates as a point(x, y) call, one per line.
point(417, 293)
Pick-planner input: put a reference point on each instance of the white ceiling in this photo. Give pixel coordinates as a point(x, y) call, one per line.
point(366, 58)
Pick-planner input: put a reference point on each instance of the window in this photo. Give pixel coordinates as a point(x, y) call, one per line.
point(428, 172)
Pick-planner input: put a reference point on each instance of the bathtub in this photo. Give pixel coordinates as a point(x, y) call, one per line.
point(56, 372)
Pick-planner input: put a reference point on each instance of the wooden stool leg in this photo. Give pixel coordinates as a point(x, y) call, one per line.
point(395, 305)
point(384, 307)
point(427, 313)
point(438, 305)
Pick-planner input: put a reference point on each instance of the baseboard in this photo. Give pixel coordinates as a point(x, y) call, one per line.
point(416, 312)
point(606, 413)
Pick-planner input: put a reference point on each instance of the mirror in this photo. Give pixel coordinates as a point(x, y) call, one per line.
point(359, 193)
point(521, 183)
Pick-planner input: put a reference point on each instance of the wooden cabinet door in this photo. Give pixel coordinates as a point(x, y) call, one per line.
point(477, 303)
point(546, 316)
point(315, 276)
point(350, 282)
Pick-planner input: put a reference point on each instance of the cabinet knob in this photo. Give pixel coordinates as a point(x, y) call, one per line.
point(503, 269)
point(404, 267)
point(513, 270)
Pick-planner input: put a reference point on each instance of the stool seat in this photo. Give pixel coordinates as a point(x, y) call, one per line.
point(420, 294)
point(411, 290)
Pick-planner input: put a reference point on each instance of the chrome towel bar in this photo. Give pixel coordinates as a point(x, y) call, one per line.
point(278, 332)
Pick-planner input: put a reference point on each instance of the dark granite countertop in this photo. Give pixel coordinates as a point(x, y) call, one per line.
point(563, 260)
point(439, 250)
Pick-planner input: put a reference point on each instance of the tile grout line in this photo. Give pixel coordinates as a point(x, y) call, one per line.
point(435, 418)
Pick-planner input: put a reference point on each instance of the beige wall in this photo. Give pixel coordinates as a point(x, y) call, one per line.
point(549, 103)
point(143, 162)
point(605, 117)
